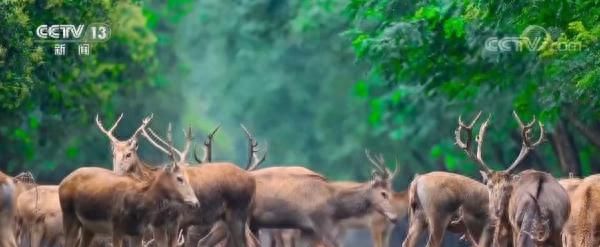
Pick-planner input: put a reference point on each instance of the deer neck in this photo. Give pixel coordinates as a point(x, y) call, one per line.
point(352, 202)
point(143, 170)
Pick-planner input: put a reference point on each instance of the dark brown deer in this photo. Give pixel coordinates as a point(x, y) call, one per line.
point(528, 209)
point(225, 190)
point(7, 211)
point(435, 200)
point(305, 200)
point(97, 201)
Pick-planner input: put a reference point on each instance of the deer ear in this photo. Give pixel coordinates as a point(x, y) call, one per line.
point(484, 176)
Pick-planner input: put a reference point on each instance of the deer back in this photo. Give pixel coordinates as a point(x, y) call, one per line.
point(583, 226)
point(448, 191)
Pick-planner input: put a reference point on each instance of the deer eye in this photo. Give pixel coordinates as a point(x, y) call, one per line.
point(384, 195)
point(128, 155)
point(180, 180)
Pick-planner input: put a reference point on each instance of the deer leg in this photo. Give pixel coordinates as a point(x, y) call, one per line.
point(276, 238)
point(415, 229)
point(37, 232)
point(136, 241)
point(236, 222)
point(160, 235)
point(71, 227)
point(117, 238)
point(437, 227)
point(86, 237)
point(381, 235)
point(217, 234)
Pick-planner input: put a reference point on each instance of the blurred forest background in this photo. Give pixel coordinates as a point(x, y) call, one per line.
point(318, 80)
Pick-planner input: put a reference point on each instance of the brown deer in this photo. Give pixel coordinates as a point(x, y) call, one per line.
point(435, 200)
point(39, 216)
point(308, 202)
point(97, 201)
point(583, 227)
point(125, 159)
point(225, 190)
point(379, 226)
point(7, 211)
point(528, 209)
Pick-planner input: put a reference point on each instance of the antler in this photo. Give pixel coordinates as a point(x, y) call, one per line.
point(527, 144)
point(207, 147)
point(375, 163)
point(169, 143)
point(466, 145)
point(189, 138)
point(379, 163)
point(109, 133)
point(253, 160)
point(145, 123)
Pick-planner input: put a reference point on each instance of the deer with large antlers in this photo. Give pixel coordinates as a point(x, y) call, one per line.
point(98, 201)
point(527, 209)
point(225, 190)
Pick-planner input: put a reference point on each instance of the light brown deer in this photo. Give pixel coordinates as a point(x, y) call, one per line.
point(39, 216)
point(97, 201)
point(379, 226)
point(583, 227)
point(528, 209)
point(225, 190)
point(308, 202)
point(7, 211)
point(125, 159)
point(435, 200)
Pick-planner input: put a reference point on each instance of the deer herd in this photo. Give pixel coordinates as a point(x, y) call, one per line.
point(221, 204)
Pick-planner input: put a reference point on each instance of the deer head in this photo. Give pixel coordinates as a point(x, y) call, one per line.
point(173, 179)
point(124, 152)
point(380, 192)
point(499, 183)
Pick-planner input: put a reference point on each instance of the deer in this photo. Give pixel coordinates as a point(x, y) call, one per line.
point(7, 211)
point(98, 201)
point(308, 202)
point(527, 209)
point(583, 227)
point(226, 191)
point(39, 214)
point(379, 226)
point(437, 199)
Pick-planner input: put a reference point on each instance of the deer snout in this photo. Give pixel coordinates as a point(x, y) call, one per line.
point(194, 203)
point(392, 217)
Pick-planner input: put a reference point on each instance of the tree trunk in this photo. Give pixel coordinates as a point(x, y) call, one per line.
point(565, 149)
point(591, 134)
